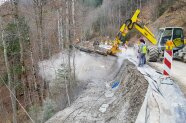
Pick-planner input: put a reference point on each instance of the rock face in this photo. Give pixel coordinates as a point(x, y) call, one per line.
point(99, 102)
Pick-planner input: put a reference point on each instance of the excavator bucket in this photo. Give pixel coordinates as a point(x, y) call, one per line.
point(113, 51)
point(115, 47)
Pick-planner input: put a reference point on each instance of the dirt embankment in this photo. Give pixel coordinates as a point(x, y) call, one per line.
point(173, 17)
point(130, 95)
point(100, 103)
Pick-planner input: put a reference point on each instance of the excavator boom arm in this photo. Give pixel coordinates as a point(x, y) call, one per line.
point(146, 33)
point(133, 23)
point(129, 25)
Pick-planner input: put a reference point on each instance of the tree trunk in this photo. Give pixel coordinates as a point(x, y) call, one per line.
point(67, 92)
point(140, 4)
point(73, 18)
point(33, 73)
point(60, 29)
point(120, 14)
point(27, 98)
point(38, 7)
point(74, 65)
point(68, 41)
point(3, 112)
point(67, 25)
point(10, 82)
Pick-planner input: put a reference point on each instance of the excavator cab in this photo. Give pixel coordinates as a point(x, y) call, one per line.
point(175, 34)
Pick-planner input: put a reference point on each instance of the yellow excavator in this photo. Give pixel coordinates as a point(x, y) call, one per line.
point(175, 34)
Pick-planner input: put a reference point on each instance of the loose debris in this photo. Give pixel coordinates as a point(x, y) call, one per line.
point(100, 103)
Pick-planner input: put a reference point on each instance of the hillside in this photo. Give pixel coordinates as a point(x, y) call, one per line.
point(174, 16)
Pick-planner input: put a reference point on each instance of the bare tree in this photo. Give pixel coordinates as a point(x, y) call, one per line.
point(38, 7)
point(73, 17)
point(68, 47)
point(10, 81)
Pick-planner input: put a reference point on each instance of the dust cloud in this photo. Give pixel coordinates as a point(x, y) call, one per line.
point(87, 66)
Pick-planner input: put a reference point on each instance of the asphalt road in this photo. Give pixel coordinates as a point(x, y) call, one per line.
point(178, 73)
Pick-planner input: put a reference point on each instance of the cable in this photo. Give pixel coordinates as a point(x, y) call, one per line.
point(17, 100)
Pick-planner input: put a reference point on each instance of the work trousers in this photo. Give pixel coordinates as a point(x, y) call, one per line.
point(142, 59)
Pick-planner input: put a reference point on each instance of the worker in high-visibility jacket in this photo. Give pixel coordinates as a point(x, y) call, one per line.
point(142, 53)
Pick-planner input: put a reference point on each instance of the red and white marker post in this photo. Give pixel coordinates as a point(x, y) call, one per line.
point(168, 58)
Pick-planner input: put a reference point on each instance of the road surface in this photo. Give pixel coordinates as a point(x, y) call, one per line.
point(178, 73)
